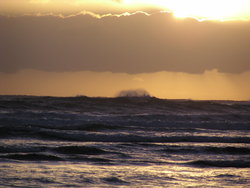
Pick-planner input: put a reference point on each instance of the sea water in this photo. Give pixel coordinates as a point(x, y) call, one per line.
point(123, 142)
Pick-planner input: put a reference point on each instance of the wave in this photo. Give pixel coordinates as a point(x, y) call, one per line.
point(207, 150)
point(227, 176)
point(26, 121)
point(88, 104)
point(80, 150)
point(121, 136)
point(53, 157)
point(48, 117)
point(96, 160)
point(22, 149)
point(225, 164)
point(114, 181)
point(32, 157)
point(91, 150)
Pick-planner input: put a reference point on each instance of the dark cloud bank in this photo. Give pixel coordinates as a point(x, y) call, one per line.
point(132, 44)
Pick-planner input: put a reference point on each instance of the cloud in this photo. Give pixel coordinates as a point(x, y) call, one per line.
point(235, 9)
point(66, 7)
point(138, 43)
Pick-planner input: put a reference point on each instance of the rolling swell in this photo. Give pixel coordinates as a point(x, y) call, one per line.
point(59, 153)
point(126, 134)
point(225, 164)
point(208, 150)
point(120, 104)
point(80, 150)
point(32, 157)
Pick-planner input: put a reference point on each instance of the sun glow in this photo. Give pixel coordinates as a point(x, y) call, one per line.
point(202, 9)
point(212, 9)
point(199, 9)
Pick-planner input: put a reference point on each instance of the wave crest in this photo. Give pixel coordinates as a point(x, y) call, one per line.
point(134, 93)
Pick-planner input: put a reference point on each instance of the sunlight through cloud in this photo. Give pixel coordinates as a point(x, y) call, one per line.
point(201, 9)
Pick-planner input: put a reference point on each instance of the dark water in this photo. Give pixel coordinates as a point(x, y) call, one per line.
point(123, 142)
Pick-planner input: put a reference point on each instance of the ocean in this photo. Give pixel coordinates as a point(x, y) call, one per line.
point(123, 142)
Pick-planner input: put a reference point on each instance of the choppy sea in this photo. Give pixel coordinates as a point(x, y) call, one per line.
point(123, 142)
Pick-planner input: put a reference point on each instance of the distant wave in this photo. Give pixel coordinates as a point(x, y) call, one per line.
point(134, 93)
point(83, 103)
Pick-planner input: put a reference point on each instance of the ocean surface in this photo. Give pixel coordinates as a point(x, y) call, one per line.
point(123, 142)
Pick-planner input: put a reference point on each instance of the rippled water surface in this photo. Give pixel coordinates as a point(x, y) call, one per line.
point(123, 142)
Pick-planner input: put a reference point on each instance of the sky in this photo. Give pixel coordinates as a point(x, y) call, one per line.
point(172, 48)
